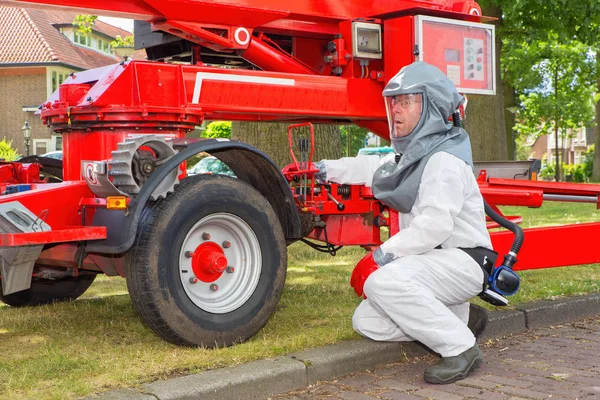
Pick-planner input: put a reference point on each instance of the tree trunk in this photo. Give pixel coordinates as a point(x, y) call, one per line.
point(485, 114)
point(508, 92)
point(556, 128)
point(596, 165)
point(272, 139)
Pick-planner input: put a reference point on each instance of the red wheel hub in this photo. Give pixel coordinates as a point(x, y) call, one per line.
point(208, 262)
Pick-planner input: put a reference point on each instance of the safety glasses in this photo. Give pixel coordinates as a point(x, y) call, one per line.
point(406, 100)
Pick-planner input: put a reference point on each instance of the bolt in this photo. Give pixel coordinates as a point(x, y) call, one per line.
point(206, 236)
point(188, 254)
point(226, 244)
point(89, 99)
point(214, 287)
point(229, 270)
point(193, 280)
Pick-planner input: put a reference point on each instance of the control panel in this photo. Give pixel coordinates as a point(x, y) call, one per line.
point(366, 39)
point(463, 50)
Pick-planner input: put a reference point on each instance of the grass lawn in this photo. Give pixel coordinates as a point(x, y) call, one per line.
point(97, 343)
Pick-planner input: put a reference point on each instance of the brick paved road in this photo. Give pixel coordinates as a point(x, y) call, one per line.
point(561, 362)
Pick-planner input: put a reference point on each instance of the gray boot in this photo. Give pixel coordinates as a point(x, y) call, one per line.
point(478, 319)
point(452, 369)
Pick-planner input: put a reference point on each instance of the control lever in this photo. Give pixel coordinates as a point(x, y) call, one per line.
point(339, 205)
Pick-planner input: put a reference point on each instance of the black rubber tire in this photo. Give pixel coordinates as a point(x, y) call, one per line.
point(152, 269)
point(44, 291)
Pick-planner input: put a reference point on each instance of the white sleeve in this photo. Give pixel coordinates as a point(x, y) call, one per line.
point(352, 170)
point(440, 199)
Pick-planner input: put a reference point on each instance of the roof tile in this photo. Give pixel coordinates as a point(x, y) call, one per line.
point(29, 36)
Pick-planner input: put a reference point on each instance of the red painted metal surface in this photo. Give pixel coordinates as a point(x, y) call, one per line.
point(554, 246)
point(15, 173)
point(249, 13)
point(54, 236)
point(56, 203)
point(208, 262)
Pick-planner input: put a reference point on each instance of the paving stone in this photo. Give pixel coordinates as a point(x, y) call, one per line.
point(508, 381)
point(396, 385)
point(477, 383)
point(326, 390)
point(436, 395)
point(525, 393)
point(357, 380)
point(391, 370)
point(487, 395)
point(355, 396)
point(398, 396)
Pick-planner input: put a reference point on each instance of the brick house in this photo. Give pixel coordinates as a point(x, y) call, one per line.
point(571, 148)
point(38, 50)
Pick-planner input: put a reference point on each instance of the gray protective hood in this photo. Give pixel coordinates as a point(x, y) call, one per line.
point(397, 184)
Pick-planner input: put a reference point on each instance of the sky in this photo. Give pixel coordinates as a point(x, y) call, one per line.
point(122, 23)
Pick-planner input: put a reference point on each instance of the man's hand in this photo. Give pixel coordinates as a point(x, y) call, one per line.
point(363, 269)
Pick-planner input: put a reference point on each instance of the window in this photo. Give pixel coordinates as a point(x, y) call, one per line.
point(103, 46)
point(40, 146)
point(57, 79)
point(58, 142)
point(84, 40)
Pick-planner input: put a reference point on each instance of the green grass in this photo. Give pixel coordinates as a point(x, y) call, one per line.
point(97, 343)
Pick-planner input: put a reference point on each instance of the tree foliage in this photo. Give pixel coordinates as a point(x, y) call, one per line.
point(357, 139)
point(555, 89)
point(85, 23)
point(218, 129)
point(122, 42)
point(546, 59)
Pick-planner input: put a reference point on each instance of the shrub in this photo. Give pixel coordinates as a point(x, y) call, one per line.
point(7, 153)
point(218, 129)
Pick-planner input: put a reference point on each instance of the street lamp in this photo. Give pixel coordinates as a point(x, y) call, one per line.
point(27, 134)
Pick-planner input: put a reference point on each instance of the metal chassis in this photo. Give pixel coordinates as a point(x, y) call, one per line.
point(97, 109)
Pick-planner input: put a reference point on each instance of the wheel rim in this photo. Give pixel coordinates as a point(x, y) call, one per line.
point(234, 286)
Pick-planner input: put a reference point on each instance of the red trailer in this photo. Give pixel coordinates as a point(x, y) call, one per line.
point(205, 256)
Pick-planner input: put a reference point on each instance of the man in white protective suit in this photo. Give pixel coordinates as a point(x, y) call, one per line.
point(417, 284)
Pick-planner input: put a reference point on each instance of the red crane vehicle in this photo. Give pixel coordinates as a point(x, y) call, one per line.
point(205, 256)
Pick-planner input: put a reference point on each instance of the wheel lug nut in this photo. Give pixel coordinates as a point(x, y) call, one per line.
point(226, 244)
point(206, 236)
point(229, 270)
point(188, 254)
point(214, 287)
point(193, 280)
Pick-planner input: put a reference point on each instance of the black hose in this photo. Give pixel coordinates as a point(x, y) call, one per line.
point(514, 228)
point(511, 258)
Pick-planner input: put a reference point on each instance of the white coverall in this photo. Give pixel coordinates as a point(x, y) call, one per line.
point(423, 293)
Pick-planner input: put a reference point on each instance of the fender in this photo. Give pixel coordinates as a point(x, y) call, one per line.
point(248, 163)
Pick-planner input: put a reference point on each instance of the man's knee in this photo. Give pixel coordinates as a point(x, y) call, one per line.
point(383, 280)
point(374, 282)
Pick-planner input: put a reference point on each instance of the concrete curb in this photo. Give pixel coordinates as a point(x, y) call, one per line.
point(263, 378)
